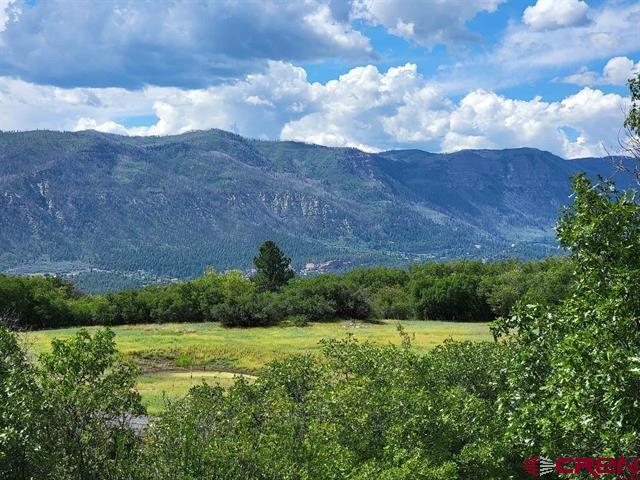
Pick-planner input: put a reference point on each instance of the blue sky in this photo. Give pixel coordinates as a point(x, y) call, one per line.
point(373, 74)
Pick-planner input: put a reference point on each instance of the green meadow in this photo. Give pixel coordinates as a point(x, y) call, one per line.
point(176, 356)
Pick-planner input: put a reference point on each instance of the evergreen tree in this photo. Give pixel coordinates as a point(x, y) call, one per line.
point(273, 268)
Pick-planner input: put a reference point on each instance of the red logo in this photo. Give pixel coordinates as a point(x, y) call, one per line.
point(624, 468)
point(538, 466)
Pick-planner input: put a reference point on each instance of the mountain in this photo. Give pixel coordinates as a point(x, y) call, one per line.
point(171, 206)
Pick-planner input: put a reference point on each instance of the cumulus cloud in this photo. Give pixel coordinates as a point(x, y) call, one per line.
point(131, 43)
point(485, 119)
point(364, 108)
point(414, 114)
point(27, 106)
point(399, 108)
point(429, 22)
point(552, 14)
point(617, 71)
point(351, 110)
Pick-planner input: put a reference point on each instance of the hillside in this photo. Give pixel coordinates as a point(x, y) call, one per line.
point(170, 206)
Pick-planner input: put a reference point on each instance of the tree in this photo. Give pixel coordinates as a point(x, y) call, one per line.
point(273, 268)
point(574, 381)
point(22, 423)
point(89, 392)
point(631, 142)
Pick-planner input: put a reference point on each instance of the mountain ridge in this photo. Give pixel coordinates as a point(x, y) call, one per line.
point(173, 205)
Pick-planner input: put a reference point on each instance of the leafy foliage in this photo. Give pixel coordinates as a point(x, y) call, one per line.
point(459, 291)
point(632, 122)
point(21, 431)
point(574, 383)
point(454, 297)
point(359, 412)
point(65, 418)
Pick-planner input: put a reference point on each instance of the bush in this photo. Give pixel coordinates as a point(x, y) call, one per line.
point(248, 310)
point(375, 278)
point(210, 291)
point(22, 426)
point(127, 307)
point(294, 301)
point(64, 418)
point(574, 379)
point(359, 411)
point(455, 297)
point(38, 302)
point(458, 291)
point(546, 282)
point(328, 297)
point(177, 302)
point(392, 302)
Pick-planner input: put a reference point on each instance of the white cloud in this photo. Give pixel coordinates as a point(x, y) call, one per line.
point(27, 106)
point(5, 13)
point(616, 72)
point(108, 126)
point(552, 14)
point(613, 30)
point(363, 108)
point(351, 110)
point(527, 56)
point(620, 69)
point(485, 119)
point(131, 43)
point(428, 22)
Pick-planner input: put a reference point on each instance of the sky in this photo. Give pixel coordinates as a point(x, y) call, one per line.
point(372, 74)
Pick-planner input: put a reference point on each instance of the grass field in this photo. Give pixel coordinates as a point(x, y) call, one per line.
point(176, 356)
point(155, 388)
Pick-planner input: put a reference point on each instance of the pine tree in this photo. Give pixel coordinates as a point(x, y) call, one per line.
point(273, 268)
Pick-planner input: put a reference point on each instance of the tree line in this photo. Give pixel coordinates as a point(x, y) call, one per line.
point(464, 291)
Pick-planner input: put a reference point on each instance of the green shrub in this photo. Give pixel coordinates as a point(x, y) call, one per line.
point(328, 297)
point(458, 291)
point(248, 310)
point(455, 297)
point(392, 302)
point(64, 417)
point(360, 411)
point(573, 381)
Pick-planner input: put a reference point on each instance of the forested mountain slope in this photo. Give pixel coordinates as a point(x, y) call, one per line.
point(174, 205)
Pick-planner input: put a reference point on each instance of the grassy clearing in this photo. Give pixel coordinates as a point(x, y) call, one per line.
point(183, 345)
point(176, 356)
point(156, 388)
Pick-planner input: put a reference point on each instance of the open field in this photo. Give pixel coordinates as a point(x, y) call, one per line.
point(176, 356)
point(156, 387)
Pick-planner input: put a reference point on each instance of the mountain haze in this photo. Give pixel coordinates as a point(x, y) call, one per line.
point(177, 204)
